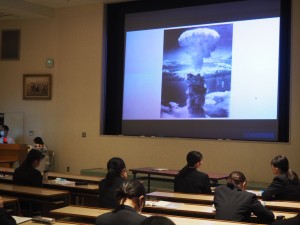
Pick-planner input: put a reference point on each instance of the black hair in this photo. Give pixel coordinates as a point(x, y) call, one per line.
point(157, 220)
point(235, 178)
point(282, 163)
point(130, 189)
point(5, 127)
point(32, 155)
point(38, 140)
point(114, 168)
point(192, 158)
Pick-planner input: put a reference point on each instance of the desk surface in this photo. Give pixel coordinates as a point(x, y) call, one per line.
point(55, 223)
point(92, 213)
point(7, 200)
point(42, 192)
point(208, 199)
point(172, 172)
point(90, 179)
point(90, 187)
point(196, 210)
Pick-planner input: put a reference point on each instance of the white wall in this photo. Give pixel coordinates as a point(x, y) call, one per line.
point(74, 39)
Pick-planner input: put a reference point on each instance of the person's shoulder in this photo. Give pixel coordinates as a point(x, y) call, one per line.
point(201, 174)
point(103, 217)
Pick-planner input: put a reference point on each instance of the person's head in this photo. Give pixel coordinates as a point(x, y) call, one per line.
point(280, 165)
point(132, 193)
point(38, 140)
point(194, 159)
point(4, 130)
point(115, 168)
point(237, 178)
point(157, 220)
point(33, 158)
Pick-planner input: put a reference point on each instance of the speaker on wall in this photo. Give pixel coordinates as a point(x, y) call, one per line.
point(10, 44)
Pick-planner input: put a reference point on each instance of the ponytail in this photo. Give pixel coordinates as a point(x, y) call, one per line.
point(293, 177)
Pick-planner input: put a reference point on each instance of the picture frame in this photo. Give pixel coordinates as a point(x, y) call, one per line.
point(37, 86)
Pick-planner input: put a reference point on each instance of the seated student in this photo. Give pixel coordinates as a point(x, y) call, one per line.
point(116, 173)
point(189, 180)
point(131, 197)
point(232, 202)
point(285, 185)
point(291, 221)
point(5, 219)
point(157, 220)
point(4, 138)
point(40, 145)
point(27, 174)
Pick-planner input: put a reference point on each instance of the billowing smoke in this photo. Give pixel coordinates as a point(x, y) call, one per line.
point(199, 43)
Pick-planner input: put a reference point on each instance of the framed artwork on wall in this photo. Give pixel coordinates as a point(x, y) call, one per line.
point(37, 86)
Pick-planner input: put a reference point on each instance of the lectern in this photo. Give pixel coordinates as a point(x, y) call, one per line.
point(10, 153)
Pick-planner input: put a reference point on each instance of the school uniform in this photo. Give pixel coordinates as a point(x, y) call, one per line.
point(28, 176)
point(192, 181)
point(107, 197)
point(282, 188)
point(234, 204)
point(123, 214)
point(6, 219)
point(291, 221)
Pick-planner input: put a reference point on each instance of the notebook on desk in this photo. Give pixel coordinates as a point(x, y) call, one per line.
point(21, 219)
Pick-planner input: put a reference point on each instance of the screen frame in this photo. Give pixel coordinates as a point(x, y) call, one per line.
point(113, 77)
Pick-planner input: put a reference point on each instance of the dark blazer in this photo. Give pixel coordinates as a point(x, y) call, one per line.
point(282, 189)
point(234, 204)
point(292, 221)
point(6, 219)
point(107, 193)
point(123, 215)
point(28, 176)
point(192, 181)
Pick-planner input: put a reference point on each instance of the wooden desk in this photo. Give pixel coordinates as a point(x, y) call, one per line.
point(53, 175)
point(196, 210)
point(11, 203)
point(73, 177)
point(214, 177)
point(92, 213)
point(208, 199)
point(86, 194)
point(47, 197)
point(55, 223)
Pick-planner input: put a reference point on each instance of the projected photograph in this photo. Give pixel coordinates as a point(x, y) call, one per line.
point(196, 72)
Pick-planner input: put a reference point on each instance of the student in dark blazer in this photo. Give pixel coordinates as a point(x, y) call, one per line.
point(291, 221)
point(131, 197)
point(232, 202)
point(285, 185)
point(27, 174)
point(116, 173)
point(157, 220)
point(189, 180)
point(5, 219)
